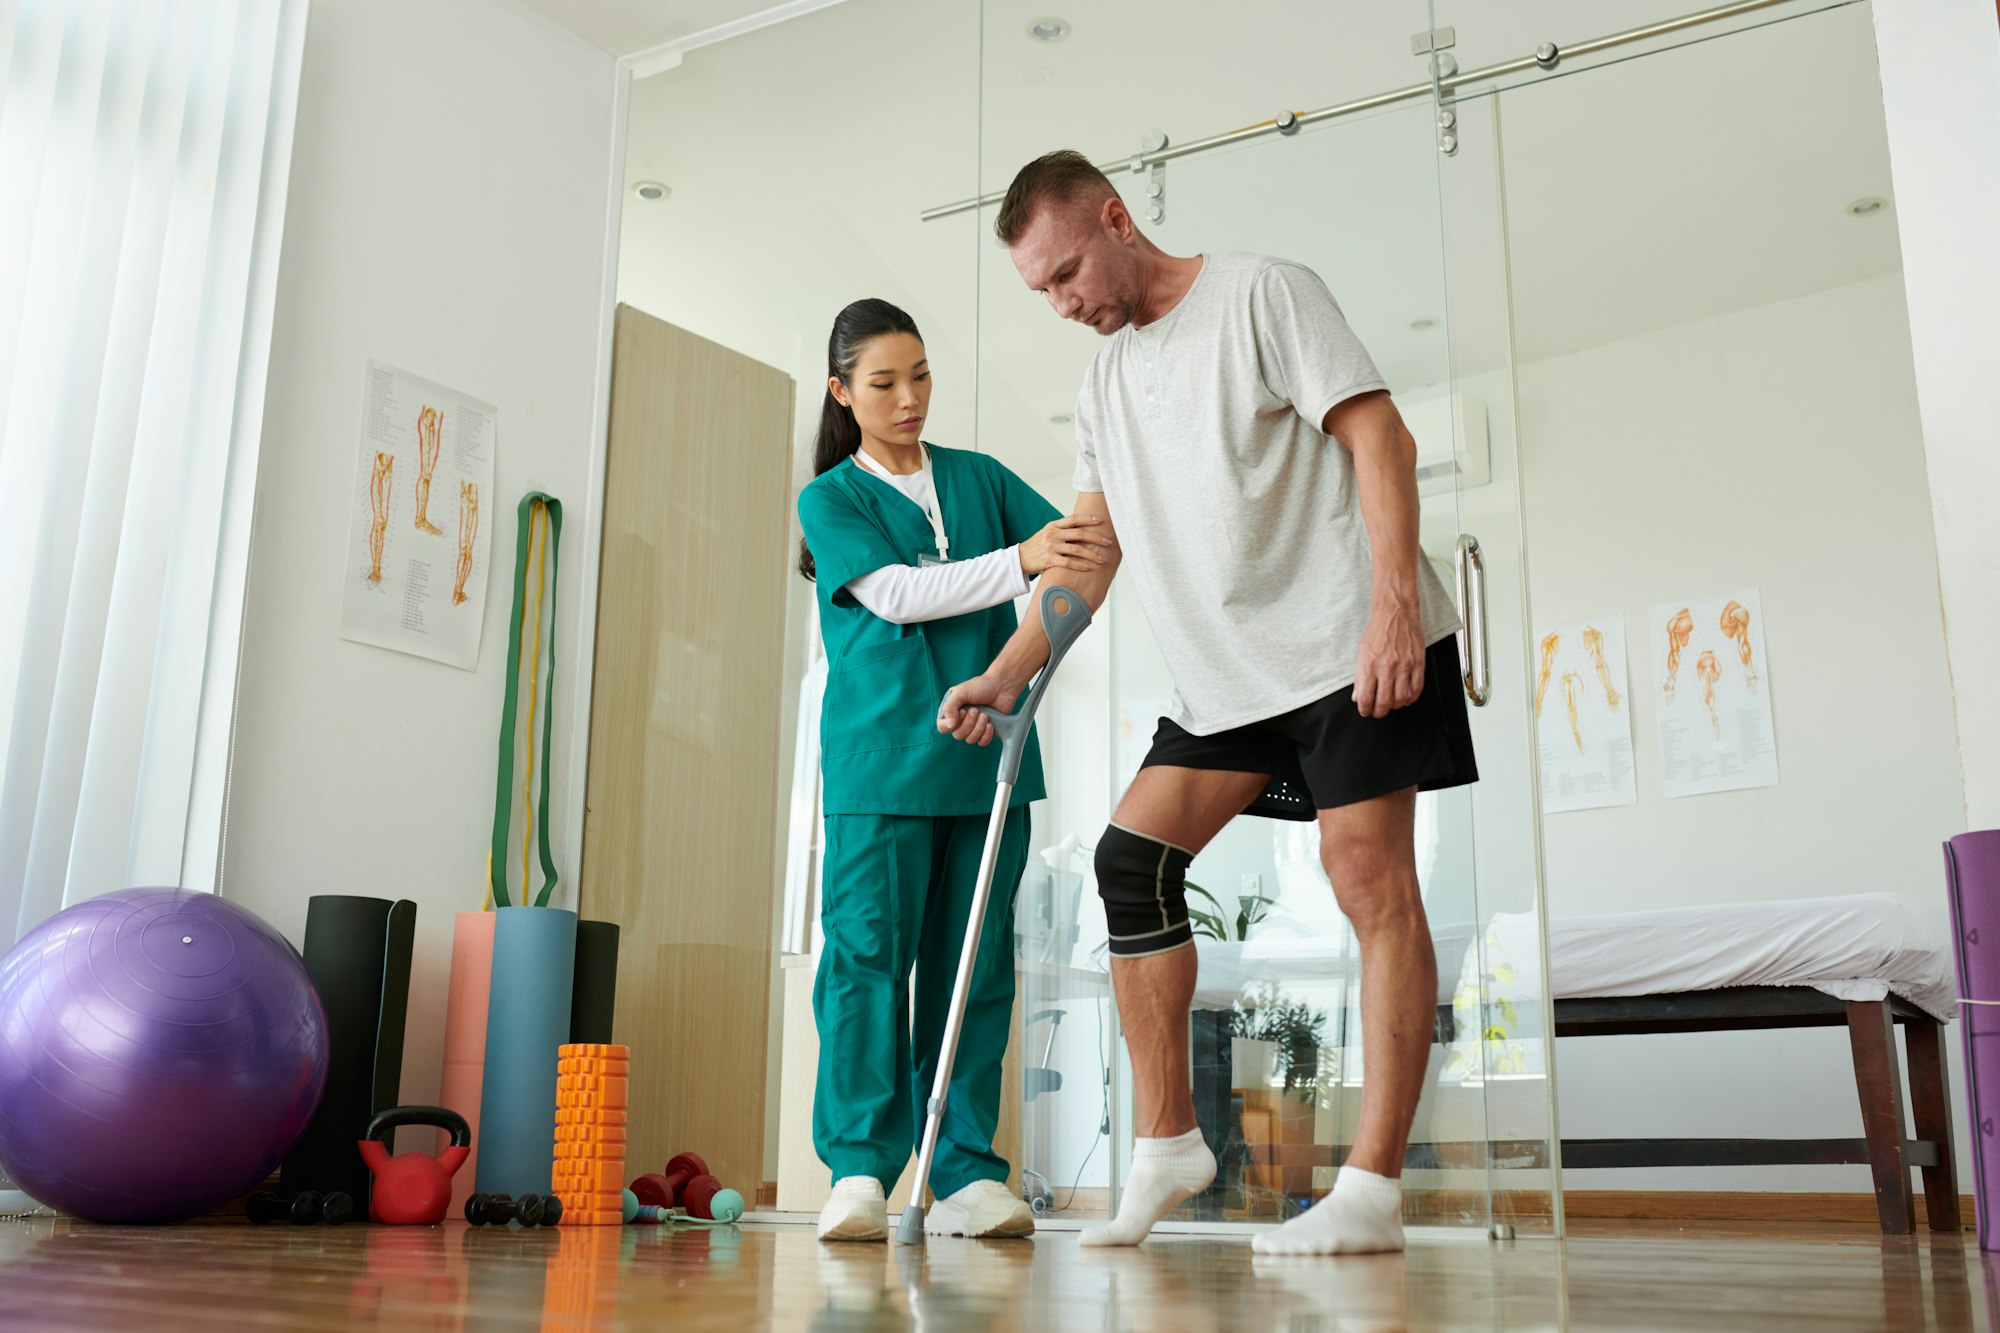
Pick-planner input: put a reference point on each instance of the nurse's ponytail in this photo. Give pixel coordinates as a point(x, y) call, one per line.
point(839, 436)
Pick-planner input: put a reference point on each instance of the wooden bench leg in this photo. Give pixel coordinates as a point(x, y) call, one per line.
point(1873, 1034)
point(1930, 1110)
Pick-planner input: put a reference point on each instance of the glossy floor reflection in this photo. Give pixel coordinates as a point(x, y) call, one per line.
point(221, 1273)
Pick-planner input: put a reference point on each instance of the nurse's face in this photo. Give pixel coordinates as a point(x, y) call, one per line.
point(890, 390)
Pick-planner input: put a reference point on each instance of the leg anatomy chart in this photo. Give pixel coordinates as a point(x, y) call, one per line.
point(415, 574)
point(1583, 715)
point(1714, 702)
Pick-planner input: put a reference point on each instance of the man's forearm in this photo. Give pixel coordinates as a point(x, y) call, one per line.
point(1028, 649)
point(1385, 473)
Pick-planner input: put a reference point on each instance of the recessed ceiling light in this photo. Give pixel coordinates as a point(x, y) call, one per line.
point(651, 191)
point(1061, 419)
point(1423, 323)
point(1867, 208)
point(1049, 29)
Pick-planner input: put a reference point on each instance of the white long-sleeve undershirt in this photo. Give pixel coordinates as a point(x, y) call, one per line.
point(909, 594)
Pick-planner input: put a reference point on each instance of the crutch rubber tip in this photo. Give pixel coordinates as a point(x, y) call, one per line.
point(910, 1231)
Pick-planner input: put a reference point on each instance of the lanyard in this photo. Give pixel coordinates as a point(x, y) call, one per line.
point(933, 510)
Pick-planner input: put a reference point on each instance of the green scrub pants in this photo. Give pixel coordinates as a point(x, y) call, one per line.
point(895, 893)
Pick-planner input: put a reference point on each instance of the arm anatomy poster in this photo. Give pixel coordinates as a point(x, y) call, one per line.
point(1583, 715)
point(1714, 699)
point(415, 574)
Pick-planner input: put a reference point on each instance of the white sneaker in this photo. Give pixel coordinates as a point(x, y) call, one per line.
point(857, 1211)
point(983, 1208)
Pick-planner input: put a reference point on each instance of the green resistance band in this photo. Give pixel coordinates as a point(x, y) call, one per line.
point(503, 797)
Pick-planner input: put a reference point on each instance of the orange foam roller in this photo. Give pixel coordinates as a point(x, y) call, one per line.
point(583, 1202)
point(603, 1217)
point(581, 1077)
point(592, 1176)
point(590, 1133)
point(590, 1152)
point(591, 1115)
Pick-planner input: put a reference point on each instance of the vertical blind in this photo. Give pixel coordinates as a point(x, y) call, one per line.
point(144, 152)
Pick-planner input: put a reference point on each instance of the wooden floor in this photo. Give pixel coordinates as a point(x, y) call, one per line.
point(1616, 1275)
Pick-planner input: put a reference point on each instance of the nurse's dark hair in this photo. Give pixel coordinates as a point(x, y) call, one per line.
point(839, 436)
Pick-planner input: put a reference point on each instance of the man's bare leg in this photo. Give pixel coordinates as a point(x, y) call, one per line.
point(1186, 808)
point(1369, 851)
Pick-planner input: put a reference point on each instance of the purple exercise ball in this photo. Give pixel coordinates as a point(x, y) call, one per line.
point(160, 1053)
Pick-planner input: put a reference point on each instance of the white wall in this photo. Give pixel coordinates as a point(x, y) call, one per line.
point(1777, 448)
point(1940, 65)
point(447, 215)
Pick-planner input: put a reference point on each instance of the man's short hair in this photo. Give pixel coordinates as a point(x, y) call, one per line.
point(1062, 177)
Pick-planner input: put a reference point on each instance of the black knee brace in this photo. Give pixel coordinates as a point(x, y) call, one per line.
point(1143, 883)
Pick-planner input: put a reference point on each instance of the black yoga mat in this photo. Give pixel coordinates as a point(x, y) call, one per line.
point(358, 952)
point(595, 992)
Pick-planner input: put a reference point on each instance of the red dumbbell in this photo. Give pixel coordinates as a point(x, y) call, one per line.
point(699, 1196)
point(664, 1191)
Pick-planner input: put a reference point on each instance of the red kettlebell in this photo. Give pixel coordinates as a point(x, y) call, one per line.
point(411, 1189)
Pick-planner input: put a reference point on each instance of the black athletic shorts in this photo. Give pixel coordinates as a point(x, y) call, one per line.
point(1326, 754)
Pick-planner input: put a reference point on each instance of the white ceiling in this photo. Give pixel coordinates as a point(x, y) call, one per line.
point(627, 27)
point(1641, 195)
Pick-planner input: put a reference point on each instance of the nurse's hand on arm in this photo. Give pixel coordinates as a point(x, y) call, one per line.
point(1002, 682)
point(1078, 542)
point(1389, 670)
point(911, 594)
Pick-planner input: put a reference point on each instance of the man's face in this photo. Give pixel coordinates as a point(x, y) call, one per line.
point(1083, 260)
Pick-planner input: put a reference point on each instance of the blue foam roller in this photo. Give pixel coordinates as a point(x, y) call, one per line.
point(527, 1019)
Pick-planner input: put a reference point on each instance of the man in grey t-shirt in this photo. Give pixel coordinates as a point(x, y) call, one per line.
point(1235, 438)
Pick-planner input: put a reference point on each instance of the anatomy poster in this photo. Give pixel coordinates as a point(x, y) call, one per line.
point(1714, 695)
point(415, 576)
point(1583, 715)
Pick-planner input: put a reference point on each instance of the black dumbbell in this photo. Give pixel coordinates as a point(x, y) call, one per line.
point(489, 1210)
point(497, 1210)
point(302, 1209)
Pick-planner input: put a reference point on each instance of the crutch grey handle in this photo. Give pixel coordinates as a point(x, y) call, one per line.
point(1065, 616)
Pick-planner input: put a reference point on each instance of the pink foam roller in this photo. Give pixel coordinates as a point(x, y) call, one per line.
point(464, 1071)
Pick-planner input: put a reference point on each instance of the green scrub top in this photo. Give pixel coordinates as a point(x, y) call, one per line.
point(880, 750)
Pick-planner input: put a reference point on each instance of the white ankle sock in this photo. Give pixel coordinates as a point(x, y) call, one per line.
point(1165, 1173)
point(1363, 1215)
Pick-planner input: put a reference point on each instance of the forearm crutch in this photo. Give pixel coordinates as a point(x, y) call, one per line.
point(1065, 616)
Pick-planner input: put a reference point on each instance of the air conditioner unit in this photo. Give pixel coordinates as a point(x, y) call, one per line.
point(1452, 444)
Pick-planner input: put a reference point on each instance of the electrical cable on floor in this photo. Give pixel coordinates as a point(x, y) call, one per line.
point(1103, 1114)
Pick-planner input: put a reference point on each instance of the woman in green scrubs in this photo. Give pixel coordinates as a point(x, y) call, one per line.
point(917, 553)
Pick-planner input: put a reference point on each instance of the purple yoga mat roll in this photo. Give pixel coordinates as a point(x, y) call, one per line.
point(1972, 872)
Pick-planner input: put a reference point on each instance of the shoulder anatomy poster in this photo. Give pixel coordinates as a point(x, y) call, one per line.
point(1583, 719)
point(1714, 700)
point(415, 577)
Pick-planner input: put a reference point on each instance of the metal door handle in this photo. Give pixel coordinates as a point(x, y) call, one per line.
point(1472, 663)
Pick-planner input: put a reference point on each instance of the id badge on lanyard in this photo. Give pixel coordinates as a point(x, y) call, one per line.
point(933, 512)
